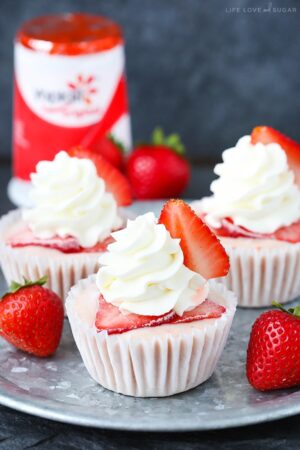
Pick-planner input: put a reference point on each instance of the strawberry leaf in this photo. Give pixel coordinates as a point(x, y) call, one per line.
point(15, 286)
point(172, 141)
point(294, 311)
point(158, 136)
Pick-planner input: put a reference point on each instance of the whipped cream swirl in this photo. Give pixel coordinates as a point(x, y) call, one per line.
point(255, 188)
point(70, 200)
point(143, 271)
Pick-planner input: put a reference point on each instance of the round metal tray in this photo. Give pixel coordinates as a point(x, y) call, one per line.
point(59, 388)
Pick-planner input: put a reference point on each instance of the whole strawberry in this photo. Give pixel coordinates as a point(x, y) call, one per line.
point(159, 169)
point(31, 317)
point(273, 357)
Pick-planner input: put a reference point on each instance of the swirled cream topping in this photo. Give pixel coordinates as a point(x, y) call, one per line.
point(255, 188)
point(70, 200)
point(143, 272)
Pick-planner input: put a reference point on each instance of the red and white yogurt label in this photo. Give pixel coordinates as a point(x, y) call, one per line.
point(62, 101)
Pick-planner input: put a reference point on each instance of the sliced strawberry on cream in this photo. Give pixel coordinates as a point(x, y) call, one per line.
point(100, 246)
point(71, 199)
point(206, 310)
point(146, 277)
point(69, 244)
point(289, 233)
point(203, 252)
point(229, 229)
point(111, 319)
point(268, 135)
point(115, 181)
point(256, 189)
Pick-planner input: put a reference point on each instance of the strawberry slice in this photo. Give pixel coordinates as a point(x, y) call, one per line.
point(268, 135)
point(100, 246)
point(289, 233)
point(115, 181)
point(203, 252)
point(206, 310)
point(230, 229)
point(69, 244)
point(109, 317)
point(113, 320)
point(111, 149)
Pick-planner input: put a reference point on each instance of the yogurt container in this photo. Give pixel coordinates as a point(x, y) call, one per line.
point(70, 89)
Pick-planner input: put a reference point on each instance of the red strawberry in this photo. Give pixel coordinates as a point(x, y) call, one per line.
point(267, 135)
point(290, 233)
point(274, 350)
point(31, 318)
point(202, 250)
point(111, 149)
point(115, 181)
point(206, 310)
point(158, 170)
point(68, 244)
point(230, 229)
point(109, 317)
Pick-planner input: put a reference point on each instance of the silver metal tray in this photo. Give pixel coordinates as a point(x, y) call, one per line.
point(60, 388)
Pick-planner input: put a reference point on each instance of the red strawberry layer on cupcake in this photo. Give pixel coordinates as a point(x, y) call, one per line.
point(155, 274)
point(257, 194)
point(149, 323)
point(76, 206)
point(77, 213)
point(255, 210)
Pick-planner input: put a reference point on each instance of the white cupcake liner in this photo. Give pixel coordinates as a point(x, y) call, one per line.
point(151, 362)
point(258, 275)
point(33, 262)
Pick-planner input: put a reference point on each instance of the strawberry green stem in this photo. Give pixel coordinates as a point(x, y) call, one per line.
point(15, 286)
point(294, 311)
point(172, 141)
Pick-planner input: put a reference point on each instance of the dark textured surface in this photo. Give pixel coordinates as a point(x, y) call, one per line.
point(20, 431)
point(193, 66)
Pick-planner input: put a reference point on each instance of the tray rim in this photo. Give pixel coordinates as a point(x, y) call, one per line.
point(14, 397)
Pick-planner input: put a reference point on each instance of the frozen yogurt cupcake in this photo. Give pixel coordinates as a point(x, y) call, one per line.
point(70, 224)
point(255, 210)
point(149, 323)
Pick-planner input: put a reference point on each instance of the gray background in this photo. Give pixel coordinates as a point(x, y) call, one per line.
point(193, 66)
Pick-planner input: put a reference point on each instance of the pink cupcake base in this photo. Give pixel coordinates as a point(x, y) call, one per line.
point(33, 262)
point(262, 271)
point(148, 362)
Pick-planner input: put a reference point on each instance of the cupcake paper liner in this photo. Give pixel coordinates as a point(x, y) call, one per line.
point(260, 275)
point(152, 362)
point(33, 262)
